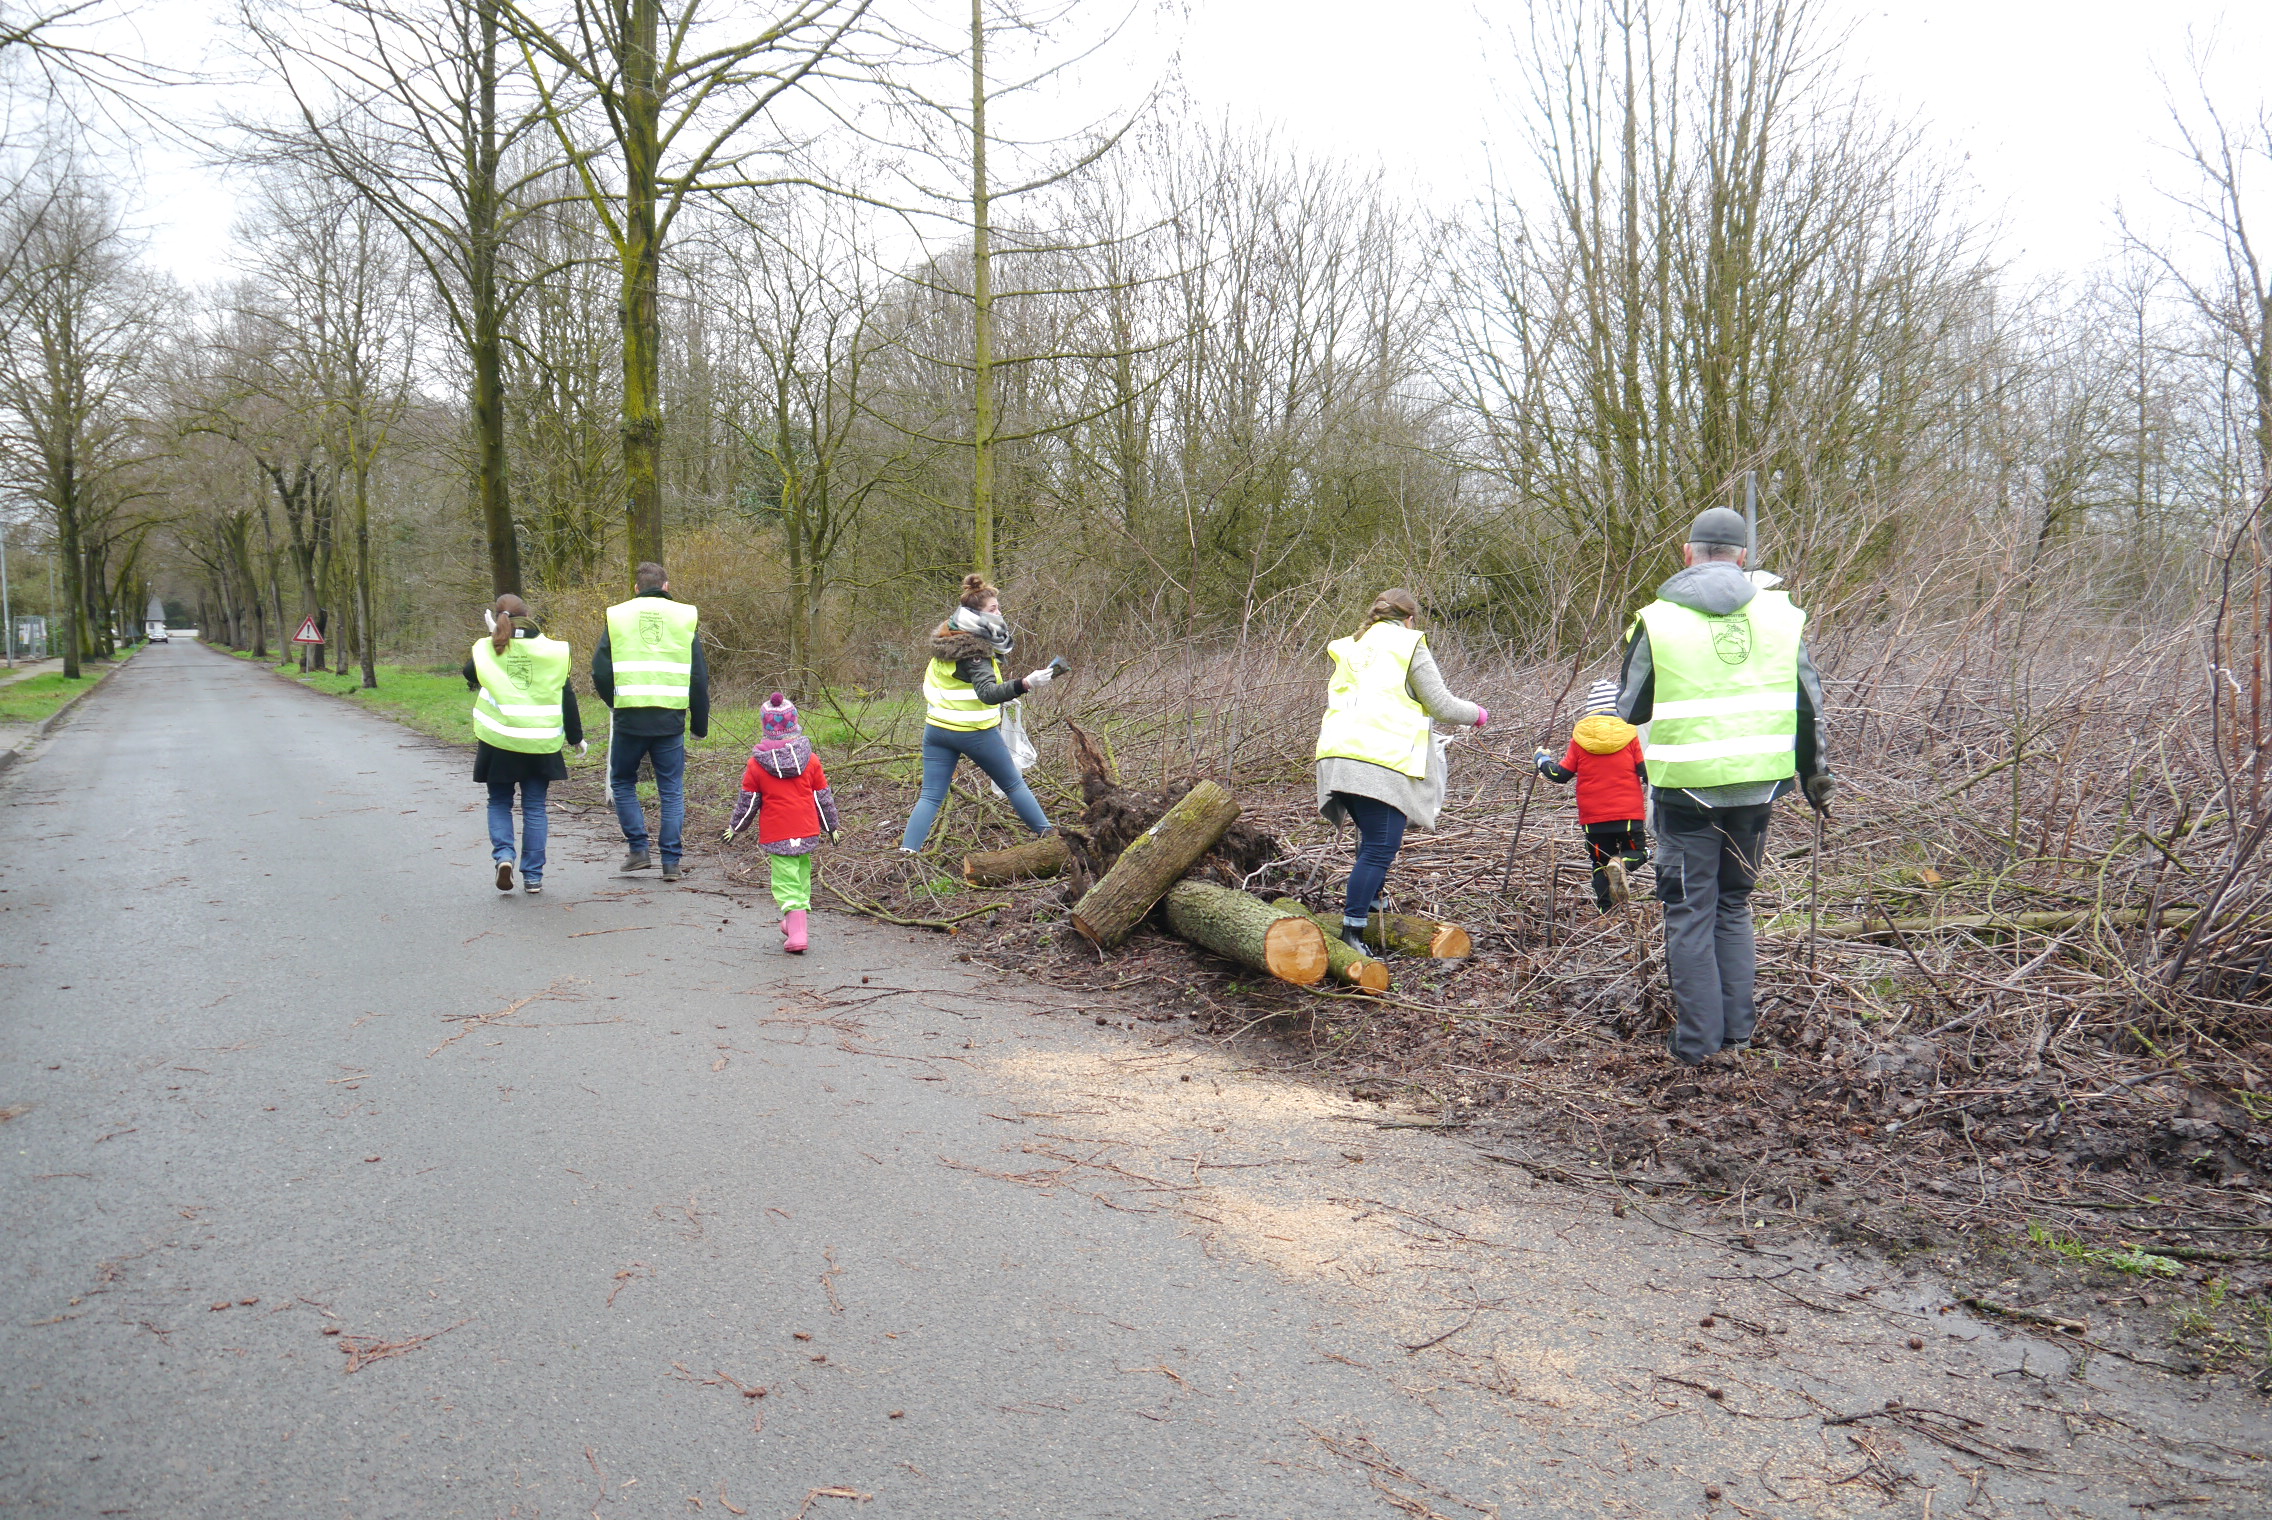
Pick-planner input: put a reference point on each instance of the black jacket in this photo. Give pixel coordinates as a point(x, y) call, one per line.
point(656, 722)
point(504, 766)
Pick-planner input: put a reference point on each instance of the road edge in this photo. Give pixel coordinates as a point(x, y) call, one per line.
point(41, 729)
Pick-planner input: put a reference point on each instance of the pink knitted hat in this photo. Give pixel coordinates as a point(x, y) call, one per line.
point(779, 715)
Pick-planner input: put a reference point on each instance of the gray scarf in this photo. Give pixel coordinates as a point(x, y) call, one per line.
point(987, 625)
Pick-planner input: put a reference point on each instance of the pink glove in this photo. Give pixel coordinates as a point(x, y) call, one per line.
point(1482, 716)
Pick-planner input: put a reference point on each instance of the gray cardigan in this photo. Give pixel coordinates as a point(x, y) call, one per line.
point(1419, 801)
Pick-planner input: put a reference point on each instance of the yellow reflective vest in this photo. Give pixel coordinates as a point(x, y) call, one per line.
point(518, 706)
point(651, 645)
point(951, 702)
point(1726, 708)
point(1370, 713)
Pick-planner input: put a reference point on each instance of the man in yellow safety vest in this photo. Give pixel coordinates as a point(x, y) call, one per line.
point(649, 669)
point(1718, 670)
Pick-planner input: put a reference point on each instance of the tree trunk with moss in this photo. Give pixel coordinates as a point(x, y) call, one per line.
point(1109, 911)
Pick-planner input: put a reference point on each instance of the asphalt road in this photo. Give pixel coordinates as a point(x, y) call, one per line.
point(337, 1184)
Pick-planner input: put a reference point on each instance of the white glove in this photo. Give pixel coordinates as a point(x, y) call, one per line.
point(583, 748)
point(1039, 678)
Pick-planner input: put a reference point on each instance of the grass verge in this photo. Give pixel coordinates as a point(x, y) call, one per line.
point(37, 698)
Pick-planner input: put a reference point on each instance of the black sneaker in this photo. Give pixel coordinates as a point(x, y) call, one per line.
point(635, 860)
point(504, 876)
point(533, 888)
point(672, 870)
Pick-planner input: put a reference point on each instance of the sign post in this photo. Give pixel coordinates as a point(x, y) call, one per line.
point(309, 633)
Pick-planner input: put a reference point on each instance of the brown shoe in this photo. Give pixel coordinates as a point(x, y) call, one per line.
point(1613, 877)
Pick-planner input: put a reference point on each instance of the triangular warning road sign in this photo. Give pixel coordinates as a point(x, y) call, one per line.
point(309, 633)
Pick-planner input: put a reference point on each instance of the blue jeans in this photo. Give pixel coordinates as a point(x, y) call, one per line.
point(943, 749)
point(668, 752)
point(534, 826)
point(1380, 834)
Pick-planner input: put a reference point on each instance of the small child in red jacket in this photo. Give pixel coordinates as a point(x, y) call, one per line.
point(784, 786)
point(1605, 758)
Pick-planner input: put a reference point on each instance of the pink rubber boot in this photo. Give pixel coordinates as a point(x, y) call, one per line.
point(793, 931)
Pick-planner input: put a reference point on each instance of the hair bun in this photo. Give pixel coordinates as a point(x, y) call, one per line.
point(973, 581)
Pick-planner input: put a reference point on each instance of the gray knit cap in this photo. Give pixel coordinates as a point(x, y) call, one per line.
point(1720, 525)
point(1601, 697)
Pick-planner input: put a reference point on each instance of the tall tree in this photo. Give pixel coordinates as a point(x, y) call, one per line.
point(78, 318)
point(652, 102)
point(426, 111)
point(965, 137)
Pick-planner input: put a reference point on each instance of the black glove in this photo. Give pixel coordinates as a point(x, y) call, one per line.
point(1818, 790)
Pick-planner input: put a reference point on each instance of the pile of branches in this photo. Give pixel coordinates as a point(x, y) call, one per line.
point(2027, 979)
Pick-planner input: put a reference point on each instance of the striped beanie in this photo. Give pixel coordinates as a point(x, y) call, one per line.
point(779, 716)
point(1601, 699)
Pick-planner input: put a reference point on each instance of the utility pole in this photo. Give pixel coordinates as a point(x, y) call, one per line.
point(7, 604)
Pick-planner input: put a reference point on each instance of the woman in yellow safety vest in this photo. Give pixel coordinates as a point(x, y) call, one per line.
point(1377, 760)
point(963, 695)
point(524, 713)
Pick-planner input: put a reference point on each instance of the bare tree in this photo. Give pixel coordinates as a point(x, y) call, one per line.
point(990, 168)
point(652, 102)
point(417, 108)
point(77, 318)
point(2232, 289)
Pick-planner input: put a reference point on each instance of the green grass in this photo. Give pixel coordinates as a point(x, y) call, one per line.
point(432, 701)
point(2129, 1259)
point(436, 702)
point(36, 698)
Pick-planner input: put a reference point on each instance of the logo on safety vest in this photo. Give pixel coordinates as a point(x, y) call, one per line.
point(516, 660)
point(651, 629)
point(1731, 639)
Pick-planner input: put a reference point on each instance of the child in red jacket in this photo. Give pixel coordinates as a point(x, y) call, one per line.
point(785, 787)
point(1605, 759)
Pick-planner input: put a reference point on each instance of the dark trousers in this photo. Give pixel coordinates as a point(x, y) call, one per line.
point(1380, 834)
point(1612, 839)
point(668, 753)
point(1707, 863)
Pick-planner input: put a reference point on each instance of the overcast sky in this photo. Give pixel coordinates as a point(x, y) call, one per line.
point(2054, 109)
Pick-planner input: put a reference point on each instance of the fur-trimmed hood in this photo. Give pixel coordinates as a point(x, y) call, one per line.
point(951, 644)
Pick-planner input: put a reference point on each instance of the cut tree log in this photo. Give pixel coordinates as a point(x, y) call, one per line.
point(1242, 927)
point(1153, 862)
point(1021, 862)
point(1348, 966)
point(1410, 934)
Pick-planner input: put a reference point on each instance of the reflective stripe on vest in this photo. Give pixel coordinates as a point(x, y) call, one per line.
point(518, 706)
point(1727, 693)
point(1369, 711)
point(951, 702)
point(651, 640)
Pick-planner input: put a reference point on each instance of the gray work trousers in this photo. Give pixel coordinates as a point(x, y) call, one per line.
point(1707, 863)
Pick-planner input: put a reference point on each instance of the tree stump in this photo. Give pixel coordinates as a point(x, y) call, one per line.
point(1410, 934)
point(1109, 911)
point(1242, 927)
point(1348, 966)
point(1035, 858)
